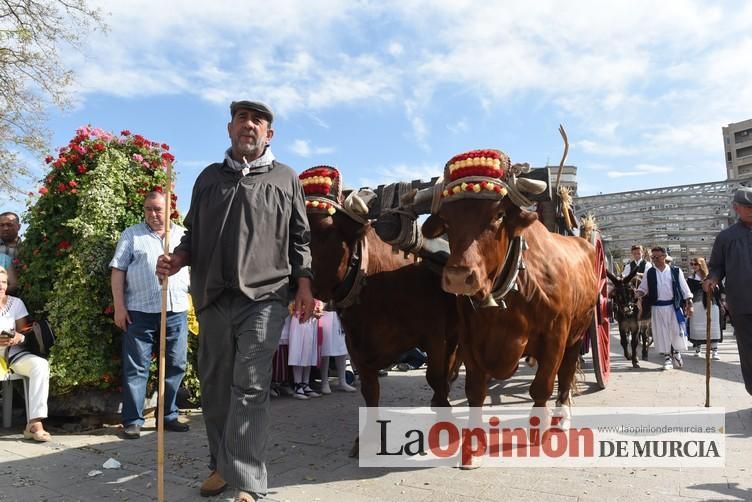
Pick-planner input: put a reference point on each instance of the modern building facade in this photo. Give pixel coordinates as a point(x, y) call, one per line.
point(737, 145)
point(685, 219)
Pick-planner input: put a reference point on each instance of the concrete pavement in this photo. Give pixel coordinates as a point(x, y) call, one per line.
point(310, 440)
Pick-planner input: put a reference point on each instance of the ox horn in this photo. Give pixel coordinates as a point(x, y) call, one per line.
point(488, 301)
point(531, 186)
point(358, 202)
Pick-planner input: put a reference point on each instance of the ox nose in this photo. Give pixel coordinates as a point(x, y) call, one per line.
point(460, 280)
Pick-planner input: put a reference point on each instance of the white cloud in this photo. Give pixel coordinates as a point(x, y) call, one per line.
point(631, 78)
point(640, 170)
point(401, 172)
point(613, 150)
point(303, 148)
point(459, 127)
point(395, 49)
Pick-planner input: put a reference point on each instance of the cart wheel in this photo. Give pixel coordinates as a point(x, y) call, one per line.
point(599, 331)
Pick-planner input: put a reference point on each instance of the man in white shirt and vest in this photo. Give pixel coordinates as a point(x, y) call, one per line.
point(668, 295)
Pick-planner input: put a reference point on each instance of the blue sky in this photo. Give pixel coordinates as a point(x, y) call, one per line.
point(390, 90)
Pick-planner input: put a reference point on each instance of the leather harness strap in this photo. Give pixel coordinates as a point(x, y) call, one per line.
point(506, 281)
point(348, 291)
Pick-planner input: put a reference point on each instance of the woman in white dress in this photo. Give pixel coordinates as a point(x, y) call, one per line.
point(333, 345)
point(13, 322)
point(698, 322)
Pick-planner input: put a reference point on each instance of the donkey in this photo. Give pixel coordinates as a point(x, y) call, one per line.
point(631, 320)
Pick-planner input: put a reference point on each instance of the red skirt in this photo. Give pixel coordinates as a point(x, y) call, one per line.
point(280, 370)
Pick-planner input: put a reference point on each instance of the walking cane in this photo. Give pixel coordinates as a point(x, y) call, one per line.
point(162, 343)
point(708, 297)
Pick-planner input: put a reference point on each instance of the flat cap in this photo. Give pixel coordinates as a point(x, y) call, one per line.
point(743, 195)
point(252, 105)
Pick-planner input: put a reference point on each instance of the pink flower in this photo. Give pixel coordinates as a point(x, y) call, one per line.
point(72, 184)
point(138, 158)
point(43, 190)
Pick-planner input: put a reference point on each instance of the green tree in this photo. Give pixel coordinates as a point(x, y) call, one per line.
point(32, 78)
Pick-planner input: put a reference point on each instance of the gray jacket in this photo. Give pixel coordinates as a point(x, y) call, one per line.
point(246, 233)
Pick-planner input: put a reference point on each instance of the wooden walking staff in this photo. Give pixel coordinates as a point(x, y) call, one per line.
point(162, 341)
point(709, 307)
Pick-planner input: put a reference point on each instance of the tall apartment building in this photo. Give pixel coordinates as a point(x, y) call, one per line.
point(737, 143)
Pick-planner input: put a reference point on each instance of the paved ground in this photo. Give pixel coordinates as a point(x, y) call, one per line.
point(310, 441)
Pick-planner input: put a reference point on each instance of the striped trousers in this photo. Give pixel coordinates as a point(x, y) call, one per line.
point(237, 341)
point(743, 333)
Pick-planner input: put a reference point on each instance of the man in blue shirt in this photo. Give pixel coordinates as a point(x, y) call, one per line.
point(137, 298)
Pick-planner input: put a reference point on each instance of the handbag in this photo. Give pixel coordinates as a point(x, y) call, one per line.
point(39, 338)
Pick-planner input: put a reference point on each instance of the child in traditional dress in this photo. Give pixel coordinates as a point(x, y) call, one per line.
point(304, 351)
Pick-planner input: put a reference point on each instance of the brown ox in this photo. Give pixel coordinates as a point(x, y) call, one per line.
point(548, 310)
point(400, 306)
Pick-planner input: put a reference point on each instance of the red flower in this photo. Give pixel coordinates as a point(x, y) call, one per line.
point(64, 245)
point(48, 159)
point(165, 147)
point(168, 157)
point(72, 184)
point(82, 169)
point(125, 132)
point(43, 190)
point(61, 187)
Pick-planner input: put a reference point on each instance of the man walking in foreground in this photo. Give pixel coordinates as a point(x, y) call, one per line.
point(731, 259)
point(247, 243)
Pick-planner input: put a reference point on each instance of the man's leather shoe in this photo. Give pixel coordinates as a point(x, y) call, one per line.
point(132, 431)
point(214, 485)
point(176, 426)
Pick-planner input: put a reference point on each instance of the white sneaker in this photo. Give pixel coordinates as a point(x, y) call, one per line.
point(667, 365)
point(714, 355)
point(325, 389)
point(344, 386)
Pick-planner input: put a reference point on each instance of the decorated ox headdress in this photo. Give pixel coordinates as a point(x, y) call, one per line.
point(322, 186)
point(486, 174)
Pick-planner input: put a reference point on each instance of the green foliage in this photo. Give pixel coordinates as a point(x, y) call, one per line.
point(93, 191)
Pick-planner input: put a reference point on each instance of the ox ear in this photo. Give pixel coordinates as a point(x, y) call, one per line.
point(433, 227)
point(516, 216)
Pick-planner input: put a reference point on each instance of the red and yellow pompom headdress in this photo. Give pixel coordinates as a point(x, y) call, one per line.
point(322, 186)
point(477, 174)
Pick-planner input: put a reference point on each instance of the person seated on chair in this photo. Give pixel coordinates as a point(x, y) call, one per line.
point(13, 321)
